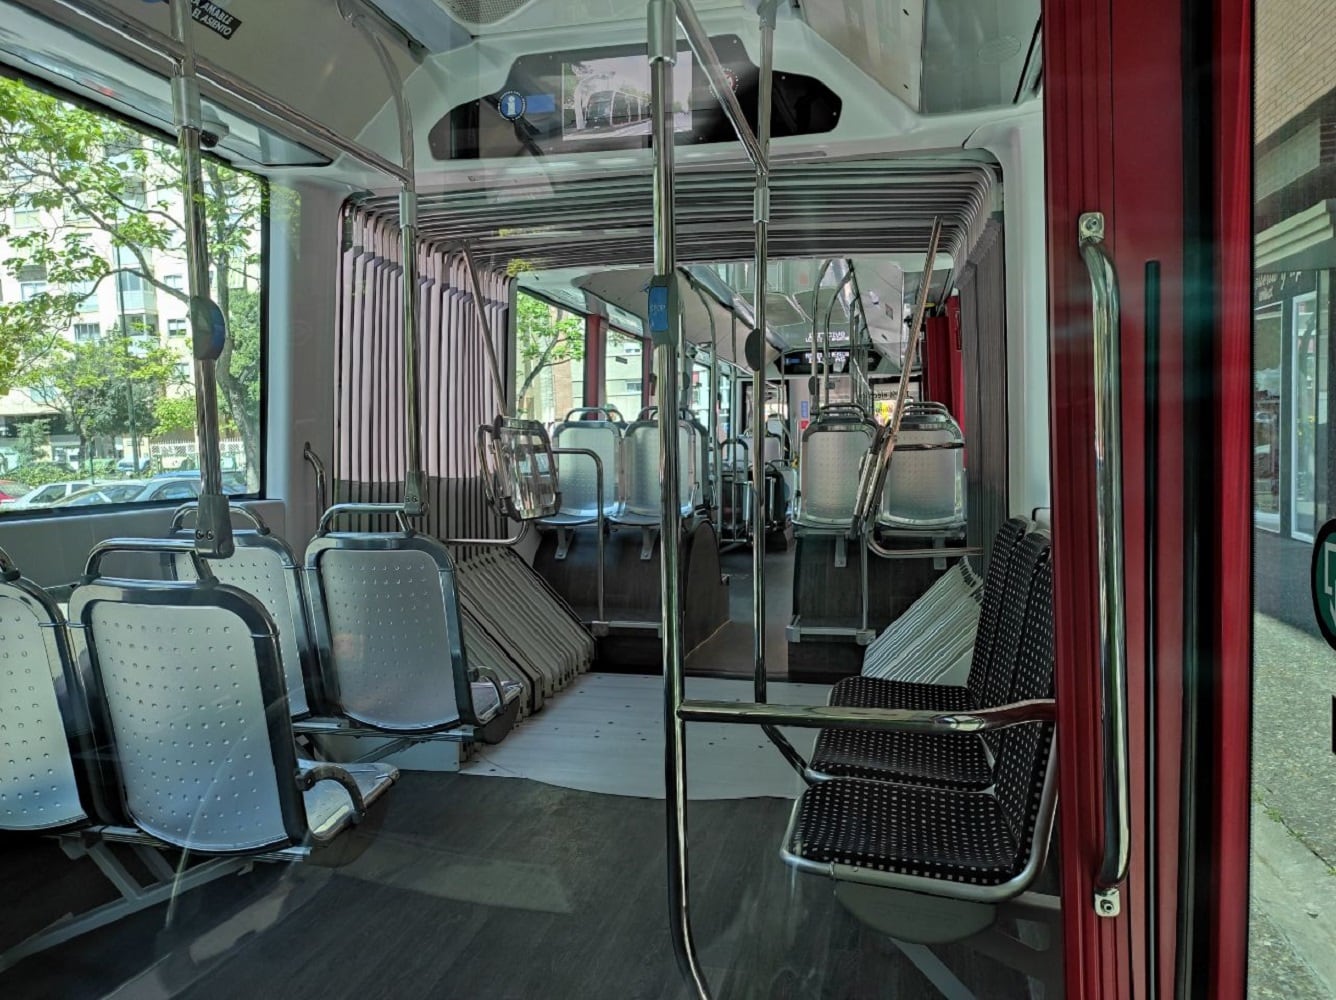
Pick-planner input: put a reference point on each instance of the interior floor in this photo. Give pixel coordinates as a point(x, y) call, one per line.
point(619, 717)
point(729, 651)
point(498, 888)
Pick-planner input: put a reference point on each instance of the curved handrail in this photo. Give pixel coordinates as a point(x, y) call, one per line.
point(186, 509)
point(321, 479)
point(610, 413)
point(349, 509)
point(1112, 612)
point(179, 546)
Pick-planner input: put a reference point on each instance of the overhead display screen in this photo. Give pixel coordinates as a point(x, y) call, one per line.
point(597, 99)
point(609, 97)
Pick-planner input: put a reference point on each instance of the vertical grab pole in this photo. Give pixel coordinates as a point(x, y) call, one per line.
point(665, 331)
point(208, 326)
point(414, 478)
point(761, 219)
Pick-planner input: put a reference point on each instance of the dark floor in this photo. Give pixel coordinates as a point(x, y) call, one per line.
point(730, 650)
point(483, 887)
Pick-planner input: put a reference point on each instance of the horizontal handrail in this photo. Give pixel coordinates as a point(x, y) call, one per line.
point(186, 509)
point(351, 509)
point(182, 546)
point(879, 719)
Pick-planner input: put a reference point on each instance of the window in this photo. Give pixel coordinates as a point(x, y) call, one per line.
point(27, 217)
point(623, 374)
point(127, 386)
point(550, 371)
point(87, 290)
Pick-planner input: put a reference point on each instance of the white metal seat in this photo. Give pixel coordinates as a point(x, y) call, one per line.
point(580, 501)
point(179, 677)
point(641, 465)
point(925, 481)
point(388, 635)
point(183, 675)
point(265, 567)
point(832, 451)
point(39, 789)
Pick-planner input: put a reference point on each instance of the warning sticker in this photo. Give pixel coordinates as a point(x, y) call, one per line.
point(213, 17)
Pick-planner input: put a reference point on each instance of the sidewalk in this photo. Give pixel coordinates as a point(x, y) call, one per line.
point(1292, 936)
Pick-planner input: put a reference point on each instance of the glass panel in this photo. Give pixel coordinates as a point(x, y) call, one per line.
point(549, 373)
point(90, 383)
point(518, 850)
point(624, 373)
point(1292, 939)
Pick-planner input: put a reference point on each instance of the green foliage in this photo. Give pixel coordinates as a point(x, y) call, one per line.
point(544, 336)
point(108, 386)
point(172, 414)
point(40, 473)
point(85, 174)
point(32, 441)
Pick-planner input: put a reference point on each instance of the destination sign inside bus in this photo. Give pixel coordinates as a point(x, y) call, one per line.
point(595, 99)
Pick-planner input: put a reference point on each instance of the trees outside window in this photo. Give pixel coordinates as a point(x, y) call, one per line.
point(108, 202)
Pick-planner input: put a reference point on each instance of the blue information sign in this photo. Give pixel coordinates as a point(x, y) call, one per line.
point(658, 309)
point(511, 105)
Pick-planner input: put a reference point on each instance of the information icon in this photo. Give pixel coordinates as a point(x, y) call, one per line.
point(511, 105)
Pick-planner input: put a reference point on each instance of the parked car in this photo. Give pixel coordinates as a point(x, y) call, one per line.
point(10, 490)
point(234, 483)
point(121, 492)
point(128, 465)
point(45, 496)
point(134, 491)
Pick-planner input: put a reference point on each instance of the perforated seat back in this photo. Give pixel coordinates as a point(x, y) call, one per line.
point(1023, 751)
point(994, 592)
point(185, 675)
point(38, 788)
point(925, 488)
point(1004, 658)
point(265, 567)
point(643, 468)
point(577, 473)
point(386, 618)
point(828, 469)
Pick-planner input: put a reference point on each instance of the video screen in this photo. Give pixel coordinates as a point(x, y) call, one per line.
point(609, 98)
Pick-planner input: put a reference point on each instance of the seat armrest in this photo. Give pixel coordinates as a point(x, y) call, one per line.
point(308, 777)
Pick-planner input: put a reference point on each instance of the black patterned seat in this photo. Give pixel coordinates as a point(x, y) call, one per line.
point(909, 836)
point(948, 760)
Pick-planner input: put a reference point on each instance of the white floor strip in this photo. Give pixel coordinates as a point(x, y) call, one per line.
point(605, 734)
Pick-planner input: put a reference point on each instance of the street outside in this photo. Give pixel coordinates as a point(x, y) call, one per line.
point(1292, 932)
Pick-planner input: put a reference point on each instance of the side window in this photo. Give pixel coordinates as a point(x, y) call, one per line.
point(109, 355)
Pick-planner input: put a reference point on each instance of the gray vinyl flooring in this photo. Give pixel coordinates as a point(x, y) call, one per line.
point(478, 888)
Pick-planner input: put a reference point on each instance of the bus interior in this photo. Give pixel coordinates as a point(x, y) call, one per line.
point(489, 678)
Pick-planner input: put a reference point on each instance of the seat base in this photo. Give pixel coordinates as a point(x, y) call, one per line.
point(947, 760)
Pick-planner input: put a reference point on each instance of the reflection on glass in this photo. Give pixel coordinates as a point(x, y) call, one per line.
point(1292, 919)
point(623, 373)
point(1266, 416)
point(549, 375)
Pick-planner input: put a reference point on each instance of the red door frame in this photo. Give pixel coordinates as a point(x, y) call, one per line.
point(1116, 142)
